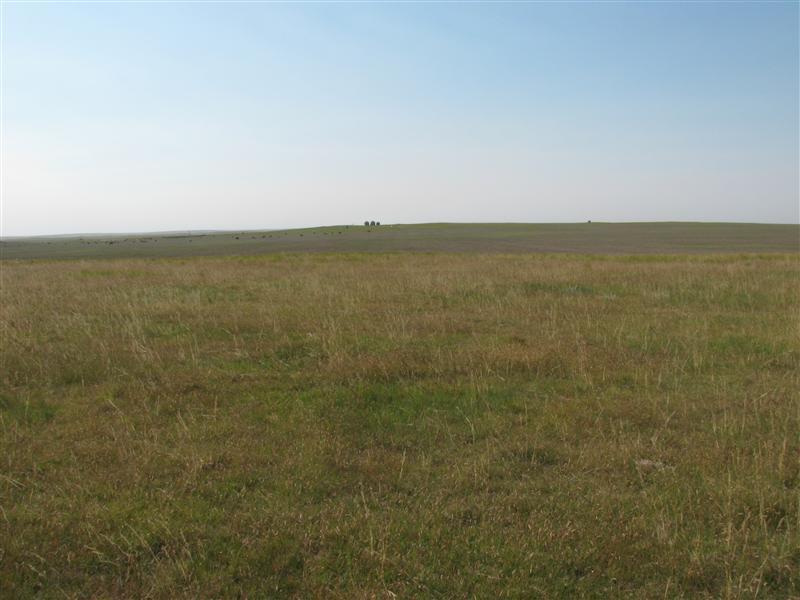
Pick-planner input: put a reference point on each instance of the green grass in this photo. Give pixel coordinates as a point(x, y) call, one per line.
point(410, 425)
point(608, 238)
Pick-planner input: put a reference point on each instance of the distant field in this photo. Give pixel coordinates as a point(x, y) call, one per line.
point(405, 425)
point(585, 238)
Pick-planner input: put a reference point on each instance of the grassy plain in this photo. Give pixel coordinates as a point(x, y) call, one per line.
point(584, 238)
point(401, 425)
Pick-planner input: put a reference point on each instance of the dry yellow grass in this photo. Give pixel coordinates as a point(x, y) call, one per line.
point(411, 425)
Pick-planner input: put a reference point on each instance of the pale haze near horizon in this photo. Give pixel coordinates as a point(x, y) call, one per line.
point(153, 117)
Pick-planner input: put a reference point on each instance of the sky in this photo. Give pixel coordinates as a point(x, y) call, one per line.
point(125, 117)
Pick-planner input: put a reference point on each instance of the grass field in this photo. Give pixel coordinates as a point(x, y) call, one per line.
point(586, 238)
point(446, 425)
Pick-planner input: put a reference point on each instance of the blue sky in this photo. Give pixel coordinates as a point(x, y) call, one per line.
point(144, 117)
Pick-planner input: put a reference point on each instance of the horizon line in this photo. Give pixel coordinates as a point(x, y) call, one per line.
point(199, 232)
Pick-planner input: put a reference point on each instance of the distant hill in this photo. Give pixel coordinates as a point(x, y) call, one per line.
point(583, 238)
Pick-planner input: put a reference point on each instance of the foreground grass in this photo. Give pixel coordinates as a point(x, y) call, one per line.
point(401, 425)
